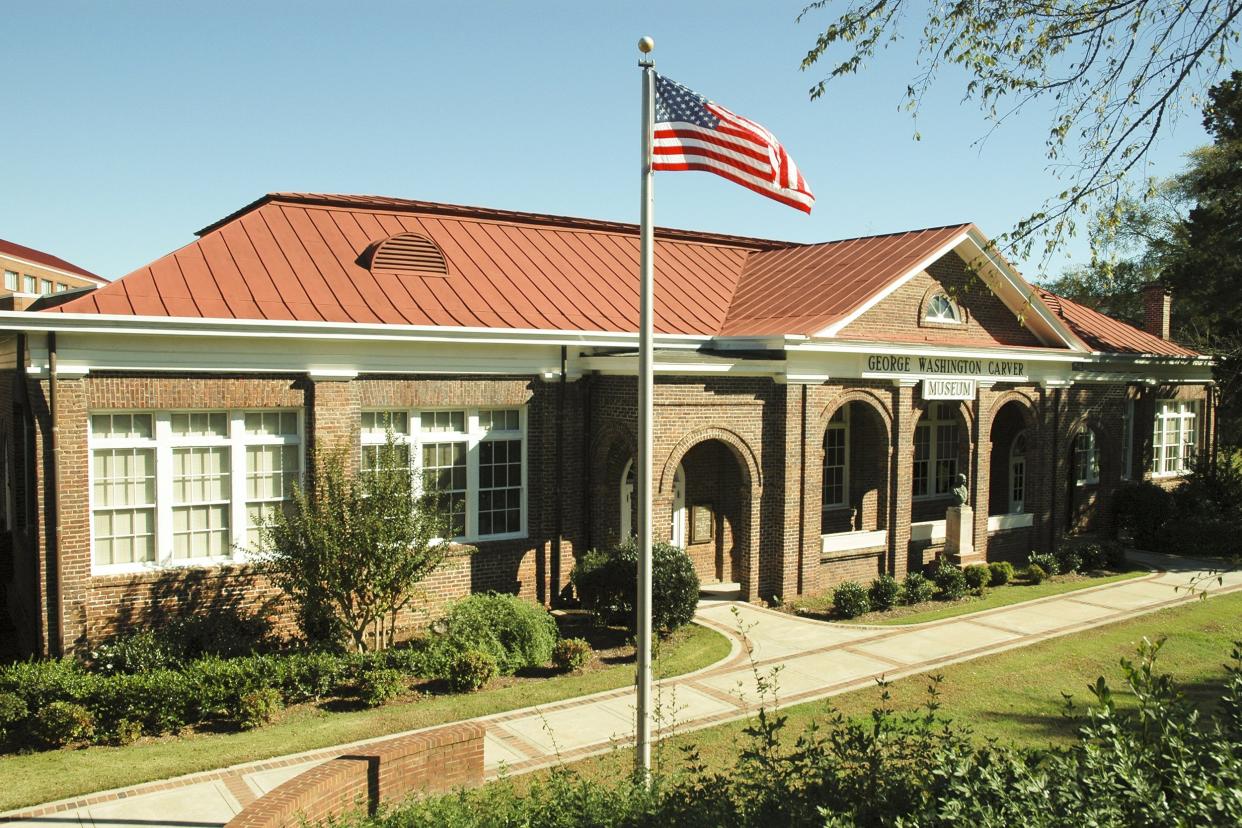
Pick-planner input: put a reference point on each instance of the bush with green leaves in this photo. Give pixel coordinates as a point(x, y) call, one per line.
point(1092, 556)
point(884, 592)
point(572, 655)
point(137, 652)
point(257, 708)
point(1068, 559)
point(1035, 573)
point(380, 685)
point(1141, 509)
point(1045, 561)
point(161, 701)
point(60, 723)
point(1000, 573)
point(851, 600)
point(124, 732)
point(40, 682)
point(309, 676)
point(515, 632)
point(977, 576)
point(13, 713)
point(917, 588)
point(471, 670)
point(606, 584)
point(949, 579)
point(1156, 761)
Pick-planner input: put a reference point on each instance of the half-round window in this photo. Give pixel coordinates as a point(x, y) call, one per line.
point(940, 308)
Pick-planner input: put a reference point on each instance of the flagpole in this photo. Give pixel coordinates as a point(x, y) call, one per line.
point(643, 472)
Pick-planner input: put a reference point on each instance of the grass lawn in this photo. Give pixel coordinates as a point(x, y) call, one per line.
point(1014, 697)
point(820, 606)
point(41, 777)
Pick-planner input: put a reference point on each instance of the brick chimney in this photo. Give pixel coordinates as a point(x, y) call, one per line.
point(1157, 302)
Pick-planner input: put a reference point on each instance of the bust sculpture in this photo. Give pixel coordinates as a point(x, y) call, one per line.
point(960, 493)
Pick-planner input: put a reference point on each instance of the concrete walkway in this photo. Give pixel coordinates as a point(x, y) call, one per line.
point(817, 659)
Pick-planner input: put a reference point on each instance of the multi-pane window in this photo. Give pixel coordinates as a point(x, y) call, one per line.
point(1017, 473)
point(10, 280)
point(936, 444)
point(164, 488)
point(61, 287)
point(836, 458)
point(45, 285)
point(1174, 437)
point(942, 309)
point(1086, 458)
point(30, 284)
point(473, 460)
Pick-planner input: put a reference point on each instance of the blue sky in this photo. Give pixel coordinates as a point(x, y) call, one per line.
point(128, 126)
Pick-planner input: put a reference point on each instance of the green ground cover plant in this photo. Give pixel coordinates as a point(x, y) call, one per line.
point(35, 777)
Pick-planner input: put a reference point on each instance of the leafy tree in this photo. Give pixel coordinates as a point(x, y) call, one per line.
point(1113, 74)
point(352, 548)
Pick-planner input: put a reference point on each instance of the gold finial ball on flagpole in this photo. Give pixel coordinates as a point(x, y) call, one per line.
point(645, 45)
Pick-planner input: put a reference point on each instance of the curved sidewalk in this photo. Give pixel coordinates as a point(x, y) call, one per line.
point(817, 659)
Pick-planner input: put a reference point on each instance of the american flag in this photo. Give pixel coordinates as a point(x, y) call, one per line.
point(693, 133)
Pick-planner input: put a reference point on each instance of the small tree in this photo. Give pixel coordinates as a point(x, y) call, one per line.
point(352, 548)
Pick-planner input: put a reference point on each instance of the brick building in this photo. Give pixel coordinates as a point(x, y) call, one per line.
point(30, 273)
point(813, 403)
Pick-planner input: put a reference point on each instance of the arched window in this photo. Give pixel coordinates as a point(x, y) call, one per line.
point(1086, 458)
point(837, 459)
point(1017, 474)
point(629, 505)
point(940, 308)
point(935, 451)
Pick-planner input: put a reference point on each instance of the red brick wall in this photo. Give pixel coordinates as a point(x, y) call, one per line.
point(900, 314)
point(383, 773)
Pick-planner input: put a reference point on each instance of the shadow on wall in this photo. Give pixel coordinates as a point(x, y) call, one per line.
point(221, 611)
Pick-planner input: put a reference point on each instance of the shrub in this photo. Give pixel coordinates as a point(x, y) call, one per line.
point(515, 632)
point(1114, 555)
point(1045, 561)
point(137, 652)
point(257, 708)
point(309, 676)
point(851, 600)
point(125, 732)
point(377, 686)
point(62, 722)
point(1068, 559)
point(13, 713)
point(1036, 574)
point(917, 588)
point(571, 655)
point(884, 592)
point(162, 701)
point(1141, 509)
point(471, 670)
point(411, 660)
point(607, 584)
point(1091, 557)
point(39, 683)
point(1001, 572)
point(220, 683)
point(977, 576)
point(950, 580)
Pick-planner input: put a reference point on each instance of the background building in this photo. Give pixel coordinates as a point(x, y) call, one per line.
point(30, 273)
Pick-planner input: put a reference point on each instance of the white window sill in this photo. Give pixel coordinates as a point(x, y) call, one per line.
point(846, 541)
point(163, 566)
point(928, 530)
point(1013, 520)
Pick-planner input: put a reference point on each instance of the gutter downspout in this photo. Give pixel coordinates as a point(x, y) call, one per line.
point(560, 481)
point(50, 504)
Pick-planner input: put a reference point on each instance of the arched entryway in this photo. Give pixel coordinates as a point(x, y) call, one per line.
point(629, 505)
point(941, 452)
point(1014, 460)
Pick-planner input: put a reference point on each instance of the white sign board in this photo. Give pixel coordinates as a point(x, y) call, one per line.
point(948, 389)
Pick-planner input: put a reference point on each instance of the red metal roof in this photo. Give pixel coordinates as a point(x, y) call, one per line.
point(304, 257)
point(804, 289)
point(1108, 335)
point(20, 251)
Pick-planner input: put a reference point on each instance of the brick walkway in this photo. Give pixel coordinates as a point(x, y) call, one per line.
point(817, 659)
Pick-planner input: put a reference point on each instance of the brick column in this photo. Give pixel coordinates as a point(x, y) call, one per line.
point(900, 476)
point(800, 536)
point(72, 529)
point(333, 415)
point(981, 467)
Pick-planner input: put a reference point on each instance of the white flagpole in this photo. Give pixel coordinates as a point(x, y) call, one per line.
point(643, 472)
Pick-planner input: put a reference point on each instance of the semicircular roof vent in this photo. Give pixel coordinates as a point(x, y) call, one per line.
point(409, 254)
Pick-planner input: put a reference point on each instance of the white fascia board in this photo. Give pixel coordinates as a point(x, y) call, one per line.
point(854, 346)
point(629, 365)
point(836, 327)
point(30, 322)
point(1019, 288)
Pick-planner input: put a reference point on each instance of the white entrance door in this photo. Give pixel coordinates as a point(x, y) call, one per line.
point(629, 505)
point(1017, 474)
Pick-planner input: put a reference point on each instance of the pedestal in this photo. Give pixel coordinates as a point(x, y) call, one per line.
point(959, 528)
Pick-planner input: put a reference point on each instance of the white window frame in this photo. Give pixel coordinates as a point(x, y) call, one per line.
point(1184, 415)
point(1092, 476)
point(12, 281)
point(473, 436)
point(163, 441)
point(950, 315)
point(1017, 471)
point(842, 425)
point(930, 423)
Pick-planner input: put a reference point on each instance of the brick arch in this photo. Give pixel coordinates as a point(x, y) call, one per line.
point(608, 439)
point(963, 410)
point(741, 450)
point(935, 287)
point(863, 395)
point(1094, 421)
point(1026, 405)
